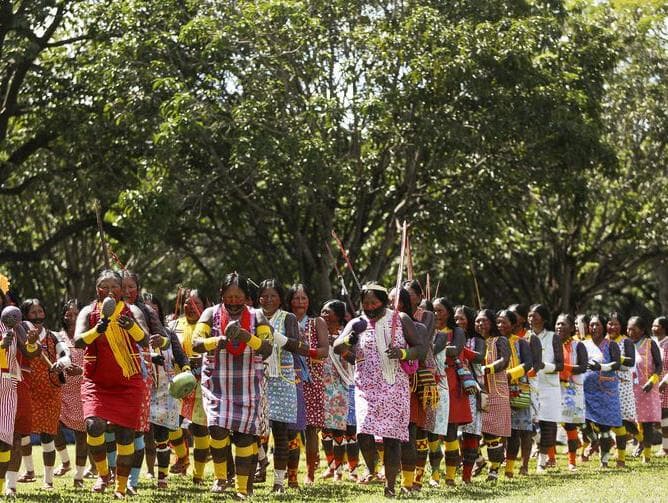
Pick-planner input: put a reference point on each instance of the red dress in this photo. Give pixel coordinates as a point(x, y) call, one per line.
point(46, 396)
point(460, 408)
point(106, 392)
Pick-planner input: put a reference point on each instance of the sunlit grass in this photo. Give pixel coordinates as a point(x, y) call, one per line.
point(636, 483)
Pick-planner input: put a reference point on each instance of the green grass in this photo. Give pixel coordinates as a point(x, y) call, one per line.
point(636, 483)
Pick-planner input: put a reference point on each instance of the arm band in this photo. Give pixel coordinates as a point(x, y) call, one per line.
point(654, 379)
point(404, 354)
point(255, 342)
point(202, 330)
point(89, 336)
point(491, 368)
point(313, 353)
point(549, 368)
point(607, 367)
point(263, 331)
point(185, 368)
point(516, 372)
point(136, 332)
point(165, 343)
point(210, 343)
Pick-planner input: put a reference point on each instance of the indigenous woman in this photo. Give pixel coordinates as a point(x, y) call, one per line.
point(113, 389)
point(521, 312)
point(47, 377)
point(337, 377)
point(572, 378)
point(71, 412)
point(521, 363)
point(282, 405)
point(418, 405)
point(474, 358)
point(660, 331)
point(379, 339)
point(496, 413)
point(453, 407)
point(16, 345)
point(164, 411)
point(546, 382)
point(192, 408)
point(615, 329)
point(236, 339)
point(308, 368)
point(601, 385)
point(648, 369)
point(423, 417)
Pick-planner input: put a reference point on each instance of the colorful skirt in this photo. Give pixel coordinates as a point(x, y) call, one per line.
point(8, 401)
point(475, 426)
point(572, 403)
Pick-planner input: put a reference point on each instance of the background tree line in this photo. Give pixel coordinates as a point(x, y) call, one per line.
point(524, 141)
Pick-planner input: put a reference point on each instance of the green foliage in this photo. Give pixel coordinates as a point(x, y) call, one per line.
point(519, 137)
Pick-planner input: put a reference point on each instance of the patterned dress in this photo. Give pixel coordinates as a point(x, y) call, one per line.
point(10, 375)
point(546, 389)
point(231, 384)
point(520, 419)
point(663, 347)
point(336, 374)
point(648, 404)
point(45, 390)
point(314, 390)
point(601, 388)
point(627, 399)
point(382, 394)
point(496, 421)
point(71, 412)
point(475, 426)
point(281, 379)
point(192, 407)
point(572, 391)
point(164, 410)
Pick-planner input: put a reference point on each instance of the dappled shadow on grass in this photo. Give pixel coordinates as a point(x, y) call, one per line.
point(588, 481)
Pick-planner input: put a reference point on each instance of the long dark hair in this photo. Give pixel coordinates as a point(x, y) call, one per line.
point(469, 313)
point(451, 312)
point(69, 303)
point(489, 314)
point(291, 293)
point(276, 285)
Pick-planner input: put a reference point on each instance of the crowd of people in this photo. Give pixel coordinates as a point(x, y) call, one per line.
point(403, 380)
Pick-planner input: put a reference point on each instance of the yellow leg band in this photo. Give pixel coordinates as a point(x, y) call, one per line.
point(220, 470)
point(255, 343)
point(4, 456)
point(176, 434)
point(95, 441)
point(452, 446)
point(407, 478)
point(220, 443)
point(125, 449)
point(244, 452)
point(202, 443)
point(242, 484)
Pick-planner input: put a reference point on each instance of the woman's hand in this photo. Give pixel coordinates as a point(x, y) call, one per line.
point(33, 335)
point(394, 353)
point(156, 341)
point(7, 339)
point(74, 370)
point(125, 322)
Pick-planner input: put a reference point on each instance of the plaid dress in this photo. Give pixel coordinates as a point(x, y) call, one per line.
point(231, 385)
point(496, 421)
point(648, 404)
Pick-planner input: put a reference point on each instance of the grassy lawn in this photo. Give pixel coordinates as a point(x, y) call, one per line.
point(636, 483)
